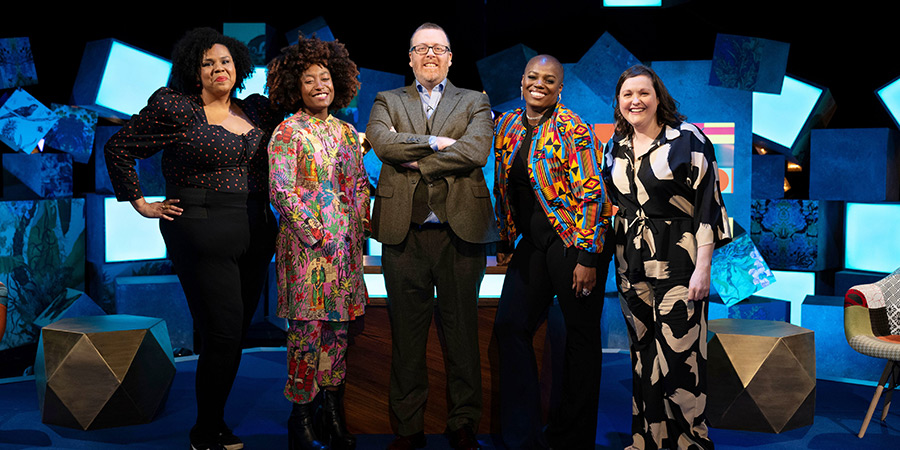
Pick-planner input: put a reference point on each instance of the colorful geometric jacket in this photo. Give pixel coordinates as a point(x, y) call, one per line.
point(565, 175)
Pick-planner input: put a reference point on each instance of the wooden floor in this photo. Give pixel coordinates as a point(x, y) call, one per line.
point(368, 366)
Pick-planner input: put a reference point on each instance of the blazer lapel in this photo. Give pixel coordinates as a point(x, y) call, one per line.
point(413, 105)
point(448, 102)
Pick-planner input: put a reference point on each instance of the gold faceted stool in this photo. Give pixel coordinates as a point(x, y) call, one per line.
point(761, 375)
point(103, 371)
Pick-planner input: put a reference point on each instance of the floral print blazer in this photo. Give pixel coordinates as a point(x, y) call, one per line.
point(319, 186)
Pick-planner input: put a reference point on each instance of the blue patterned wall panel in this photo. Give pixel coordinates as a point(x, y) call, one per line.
point(36, 176)
point(601, 66)
point(102, 184)
point(74, 303)
point(24, 121)
point(738, 270)
point(748, 63)
point(317, 26)
point(579, 97)
point(688, 82)
point(835, 359)
point(754, 308)
point(101, 278)
point(768, 176)
point(74, 133)
point(158, 296)
point(257, 37)
point(802, 235)
point(501, 73)
point(854, 165)
point(373, 82)
point(16, 63)
point(149, 170)
point(42, 253)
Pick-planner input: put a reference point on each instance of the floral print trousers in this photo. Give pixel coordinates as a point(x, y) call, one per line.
point(316, 352)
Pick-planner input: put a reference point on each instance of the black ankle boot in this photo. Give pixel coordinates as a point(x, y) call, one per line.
point(300, 429)
point(334, 429)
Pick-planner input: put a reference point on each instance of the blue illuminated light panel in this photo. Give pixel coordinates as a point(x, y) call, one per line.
point(130, 77)
point(792, 287)
point(254, 84)
point(890, 98)
point(616, 3)
point(872, 240)
point(780, 117)
point(130, 236)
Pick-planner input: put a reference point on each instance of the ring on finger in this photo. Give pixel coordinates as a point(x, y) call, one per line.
point(585, 292)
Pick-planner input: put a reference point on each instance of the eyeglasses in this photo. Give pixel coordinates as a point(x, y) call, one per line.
point(422, 49)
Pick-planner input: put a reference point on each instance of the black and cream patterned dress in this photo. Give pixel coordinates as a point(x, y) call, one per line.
point(669, 204)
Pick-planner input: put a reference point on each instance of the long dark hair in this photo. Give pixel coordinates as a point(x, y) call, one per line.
point(667, 111)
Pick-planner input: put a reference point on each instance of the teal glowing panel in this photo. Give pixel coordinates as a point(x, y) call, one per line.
point(792, 287)
point(615, 3)
point(890, 97)
point(780, 117)
point(130, 77)
point(130, 236)
point(254, 84)
point(872, 242)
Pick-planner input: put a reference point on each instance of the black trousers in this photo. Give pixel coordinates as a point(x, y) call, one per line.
point(412, 269)
point(220, 247)
point(534, 276)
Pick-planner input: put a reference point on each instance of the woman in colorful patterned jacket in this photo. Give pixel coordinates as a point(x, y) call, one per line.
point(549, 192)
point(661, 172)
point(319, 186)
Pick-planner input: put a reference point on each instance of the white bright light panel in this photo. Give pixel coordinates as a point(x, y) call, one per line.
point(491, 285)
point(130, 77)
point(872, 237)
point(780, 117)
point(130, 236)
point(254, 84)
point(792, 287)
point(632, 2)
point(890, 97)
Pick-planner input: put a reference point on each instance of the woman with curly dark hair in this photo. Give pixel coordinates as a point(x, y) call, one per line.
point(319, 186)
point(218, 228)
point(662, 174)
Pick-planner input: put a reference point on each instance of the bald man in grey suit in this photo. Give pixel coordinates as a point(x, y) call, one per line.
point(433, 214)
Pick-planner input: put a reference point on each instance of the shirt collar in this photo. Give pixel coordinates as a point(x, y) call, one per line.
point(439, 87)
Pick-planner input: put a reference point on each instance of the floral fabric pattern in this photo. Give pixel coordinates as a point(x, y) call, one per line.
point(316, 352)
point(319, 186)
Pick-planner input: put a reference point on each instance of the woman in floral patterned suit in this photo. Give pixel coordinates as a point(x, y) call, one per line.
point(319, 186)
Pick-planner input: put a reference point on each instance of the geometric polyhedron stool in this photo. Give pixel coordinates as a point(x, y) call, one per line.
point(103, 371)
point(761, 375)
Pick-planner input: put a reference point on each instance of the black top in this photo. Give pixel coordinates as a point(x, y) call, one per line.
point(529, 216)
point(196, 154)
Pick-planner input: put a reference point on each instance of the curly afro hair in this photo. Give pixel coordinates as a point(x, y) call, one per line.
point(285, 72)
point(188, 55)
